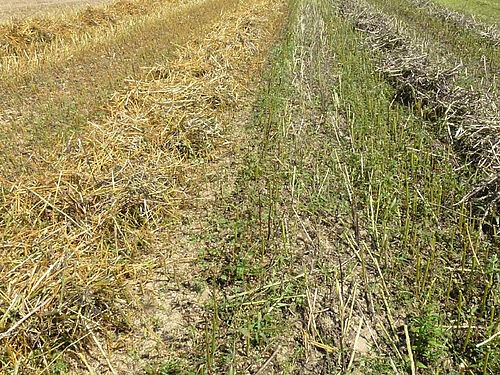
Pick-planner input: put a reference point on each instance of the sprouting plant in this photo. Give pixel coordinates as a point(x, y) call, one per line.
point(428, 339)
point(171, 366)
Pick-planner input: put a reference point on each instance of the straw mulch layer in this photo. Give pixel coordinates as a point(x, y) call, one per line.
point(470, 116)
point(23, 36)
point(75, 234)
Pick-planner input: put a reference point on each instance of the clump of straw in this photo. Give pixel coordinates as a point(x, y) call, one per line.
point(20, 37)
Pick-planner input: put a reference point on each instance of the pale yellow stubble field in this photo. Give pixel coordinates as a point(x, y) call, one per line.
point(20, 8)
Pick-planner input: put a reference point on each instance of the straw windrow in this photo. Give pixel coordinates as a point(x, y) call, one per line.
point(26, 38)
point(485, 30)
point(438, 91)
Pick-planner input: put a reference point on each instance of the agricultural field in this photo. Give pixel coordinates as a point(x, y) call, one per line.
point(486, 9)
point(250, 187)
point(22, 8)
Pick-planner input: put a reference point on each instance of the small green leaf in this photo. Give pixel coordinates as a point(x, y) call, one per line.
point(421, 365)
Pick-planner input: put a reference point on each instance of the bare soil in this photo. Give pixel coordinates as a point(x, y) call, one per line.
point(22, 8)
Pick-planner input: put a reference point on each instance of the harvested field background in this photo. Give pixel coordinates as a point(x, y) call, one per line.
point(483, 9)
point(23, 8)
